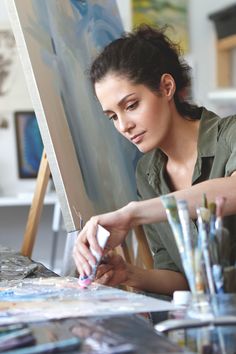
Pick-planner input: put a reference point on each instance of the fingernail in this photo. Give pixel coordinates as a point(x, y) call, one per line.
point(92, 262)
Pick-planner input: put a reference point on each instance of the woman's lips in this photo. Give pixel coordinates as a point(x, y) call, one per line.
point(137, 138)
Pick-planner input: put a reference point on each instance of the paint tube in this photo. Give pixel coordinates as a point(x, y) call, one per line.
point(102, 236)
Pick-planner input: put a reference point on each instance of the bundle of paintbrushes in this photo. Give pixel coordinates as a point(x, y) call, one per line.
point(203, 258)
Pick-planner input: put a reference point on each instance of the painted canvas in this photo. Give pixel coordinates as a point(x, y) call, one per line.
point(30, 300)
point(164, 12)
point(58, 40)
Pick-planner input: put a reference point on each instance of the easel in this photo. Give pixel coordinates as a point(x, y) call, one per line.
point(36, 207)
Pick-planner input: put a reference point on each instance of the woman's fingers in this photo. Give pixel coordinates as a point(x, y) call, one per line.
point(102, 269)
point(106, 278)
point(81, 262)
point(87, 239)
point(81, 253)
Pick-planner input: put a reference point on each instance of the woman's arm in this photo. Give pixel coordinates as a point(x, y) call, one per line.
point(116, 271)
point(149, 211)
point(152, 211)
point(159, 281)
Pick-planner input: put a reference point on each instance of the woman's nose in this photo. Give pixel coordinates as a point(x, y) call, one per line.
point(124, 124)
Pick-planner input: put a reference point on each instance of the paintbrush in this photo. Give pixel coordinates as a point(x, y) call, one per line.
point(170, 206)
point(64, 345)
point(187, 240)
point(16, 338)
point(222, 233)
point(203, 221)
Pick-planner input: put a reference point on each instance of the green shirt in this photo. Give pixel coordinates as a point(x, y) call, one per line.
point(216, 158)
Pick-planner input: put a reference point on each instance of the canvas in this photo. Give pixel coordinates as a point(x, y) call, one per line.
point(91, 164)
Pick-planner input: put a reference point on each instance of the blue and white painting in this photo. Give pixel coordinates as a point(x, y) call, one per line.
point(70, 34)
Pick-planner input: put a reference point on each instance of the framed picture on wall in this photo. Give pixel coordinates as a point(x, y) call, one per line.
point(29, 144)
point(160, 13)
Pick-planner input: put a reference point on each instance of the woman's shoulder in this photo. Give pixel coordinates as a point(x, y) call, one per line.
point(227, 126)
point(224, 125)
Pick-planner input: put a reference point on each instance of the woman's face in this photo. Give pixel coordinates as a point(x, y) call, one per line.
point(139, 114)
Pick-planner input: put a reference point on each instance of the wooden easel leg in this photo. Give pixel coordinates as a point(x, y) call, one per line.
point(36, 207)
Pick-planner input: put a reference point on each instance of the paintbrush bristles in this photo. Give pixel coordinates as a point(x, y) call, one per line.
point(204, 201)
point(212, 208)
point(205, 214)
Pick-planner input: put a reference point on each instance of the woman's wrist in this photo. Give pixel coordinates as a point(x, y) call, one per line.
point(133, 276)
point(145, 212)
point(130, 211)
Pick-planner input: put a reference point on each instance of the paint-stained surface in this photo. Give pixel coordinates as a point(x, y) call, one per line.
point(39, 299)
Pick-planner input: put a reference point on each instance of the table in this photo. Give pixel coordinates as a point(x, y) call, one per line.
point(204, 334)
point(133, 332)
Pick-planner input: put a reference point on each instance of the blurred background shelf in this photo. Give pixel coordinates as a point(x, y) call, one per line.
point(226, 94)
point(26, 199)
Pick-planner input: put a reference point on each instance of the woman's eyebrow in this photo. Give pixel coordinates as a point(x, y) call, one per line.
point(107, 111)
point(125, 98)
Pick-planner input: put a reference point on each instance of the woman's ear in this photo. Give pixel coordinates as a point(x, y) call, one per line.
point(167, 85)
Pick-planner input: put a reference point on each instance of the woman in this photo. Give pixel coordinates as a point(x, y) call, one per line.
point(141, 82)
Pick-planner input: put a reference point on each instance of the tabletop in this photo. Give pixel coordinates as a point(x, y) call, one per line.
point(127, 333)
point(103, 334)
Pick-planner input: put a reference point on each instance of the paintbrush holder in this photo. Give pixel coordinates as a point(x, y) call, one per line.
point(201, 307)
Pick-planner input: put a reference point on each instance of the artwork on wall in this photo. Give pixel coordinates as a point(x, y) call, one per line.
point(7, 61)
point(92, 165)
point(164, 12)
point(29, 144)
point(13, 91)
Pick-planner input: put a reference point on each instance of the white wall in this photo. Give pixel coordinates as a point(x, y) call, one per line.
point(124, 7)
point(3, 13)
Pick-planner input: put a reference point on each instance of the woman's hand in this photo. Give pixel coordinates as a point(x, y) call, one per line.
point(112, 271)
point(118, 223)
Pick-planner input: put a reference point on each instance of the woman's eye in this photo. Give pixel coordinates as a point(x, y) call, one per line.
point(113, 117)
point(132, 106)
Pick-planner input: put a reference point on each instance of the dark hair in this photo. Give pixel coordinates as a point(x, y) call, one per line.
point(143, 56)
